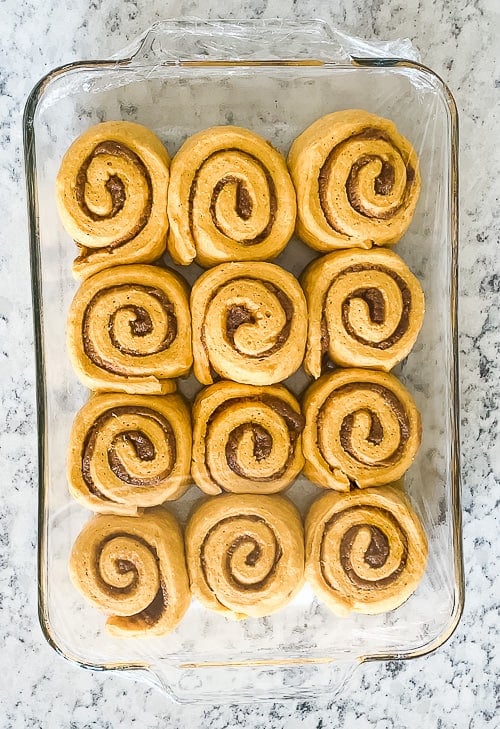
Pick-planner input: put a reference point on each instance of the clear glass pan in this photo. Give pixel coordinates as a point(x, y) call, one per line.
point(276, 79)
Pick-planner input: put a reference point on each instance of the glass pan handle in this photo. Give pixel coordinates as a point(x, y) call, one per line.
point(241, 683)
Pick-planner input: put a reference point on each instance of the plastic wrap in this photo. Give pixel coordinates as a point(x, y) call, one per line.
point(275, 78)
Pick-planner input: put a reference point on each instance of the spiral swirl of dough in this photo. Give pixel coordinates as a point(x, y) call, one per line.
point(366, 551)
point(129, 330)
point(133, 569)
point(246, 439)
point(362, 427)
point(366, 309)
point(245, 554)
point(111, 192)
point(129, 452)
point(230, 199)
point(357, 181)
point(249, 323)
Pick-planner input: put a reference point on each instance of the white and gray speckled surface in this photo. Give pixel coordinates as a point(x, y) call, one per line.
point(458, 685)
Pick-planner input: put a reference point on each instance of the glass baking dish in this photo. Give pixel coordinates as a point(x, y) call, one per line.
point(274, 78)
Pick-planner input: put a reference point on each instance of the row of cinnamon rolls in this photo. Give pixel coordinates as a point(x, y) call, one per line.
point(356, 428)
point(350, 180)
point(136, 328)
point(247, 556)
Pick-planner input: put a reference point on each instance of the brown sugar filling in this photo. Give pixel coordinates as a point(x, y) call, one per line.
point(140, 325)
point(116, 189)
point(142, 445)
point(243, 206)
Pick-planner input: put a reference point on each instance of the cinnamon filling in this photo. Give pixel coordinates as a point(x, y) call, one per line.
point(376, 307)
point(150, 615)
point(251, 559)
point(376, 433)
point(375, 556)
point(115, 187)
point(243, 206)
point(237, 315)
point(140, 325)
point(143, 447)
point(124, 565)
point(373, 298)
point(325, 335)
point(262, 445)
point(383, 184)
point(294, 420)
point(153, 612)
point(262, 439)
point(375, 436)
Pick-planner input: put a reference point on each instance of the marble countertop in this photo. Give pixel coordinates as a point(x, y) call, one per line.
point(457, 686)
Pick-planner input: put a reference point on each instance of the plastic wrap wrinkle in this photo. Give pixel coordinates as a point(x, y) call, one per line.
point(245, 40)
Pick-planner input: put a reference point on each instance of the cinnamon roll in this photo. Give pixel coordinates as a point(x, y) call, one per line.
point(366, 309)
point(133, 569)
point(366, 551)
point(362, 428)
point(230, 199)
point(129, 330)
point(249, 324)
point(129, 451)
point(246, 439)
point(357, 181)
point(245, 554)
point(111, 192)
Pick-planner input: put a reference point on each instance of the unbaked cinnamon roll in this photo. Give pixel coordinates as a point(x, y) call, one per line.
point(245, 554)
point(366, 309)
point(129, 330)
point(127, 452)
point(357, 181)
point(246, 439)
point(362, 428)
point(111, 192)
point(249, 324)
point(133, 569)
point(366, 551)
point(230, 199)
